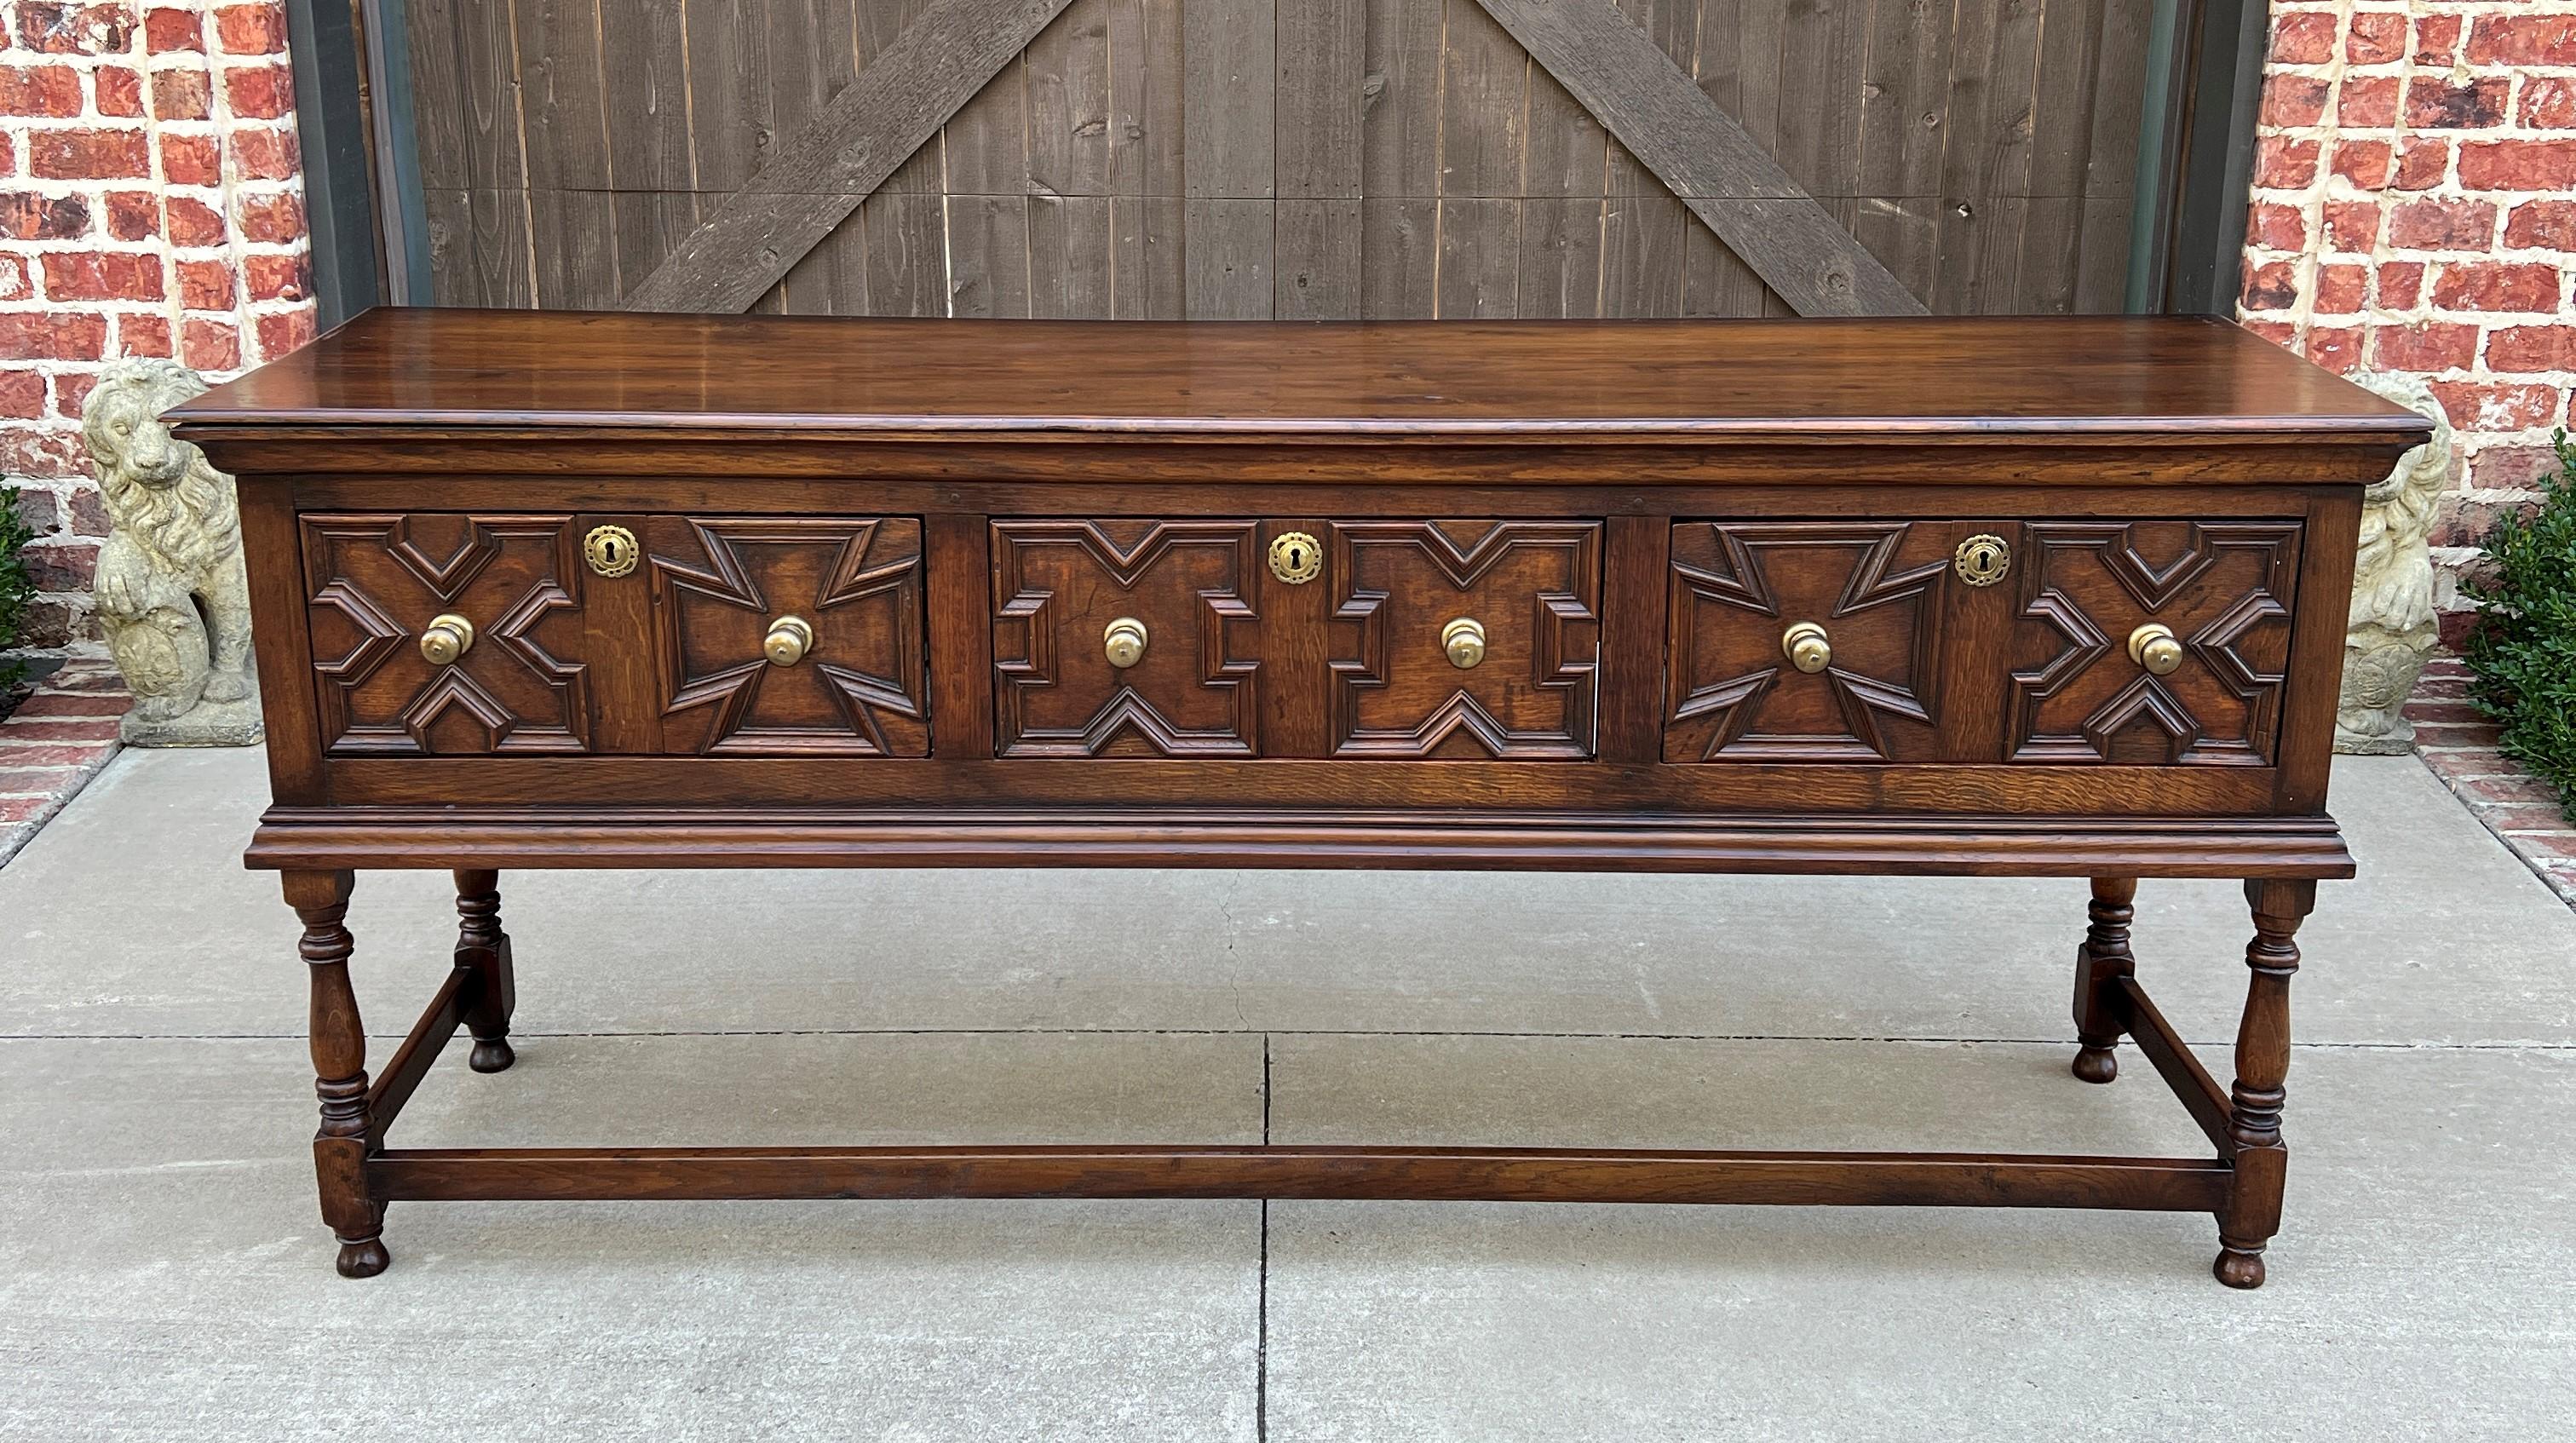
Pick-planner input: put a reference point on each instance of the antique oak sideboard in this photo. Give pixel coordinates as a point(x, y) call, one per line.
point(2058, 597)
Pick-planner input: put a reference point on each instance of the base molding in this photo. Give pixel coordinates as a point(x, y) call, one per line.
point(437, 837)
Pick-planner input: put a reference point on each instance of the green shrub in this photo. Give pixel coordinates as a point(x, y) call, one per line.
point(2523, 650)
point(16, 587)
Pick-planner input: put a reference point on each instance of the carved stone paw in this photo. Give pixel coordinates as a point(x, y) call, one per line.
point(227, 686)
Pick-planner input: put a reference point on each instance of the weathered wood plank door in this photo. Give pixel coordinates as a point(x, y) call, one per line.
point(1281, 158)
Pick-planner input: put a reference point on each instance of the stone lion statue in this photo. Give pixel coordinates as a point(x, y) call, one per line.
point(172, 595)
point(2392, 626)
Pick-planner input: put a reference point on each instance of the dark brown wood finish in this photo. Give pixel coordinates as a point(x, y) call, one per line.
point(960, 594)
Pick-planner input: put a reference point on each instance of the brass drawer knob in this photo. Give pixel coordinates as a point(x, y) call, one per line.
point(1124, 642)
point(447, 638)
point(2153, 647)
point(1807, 647)
point(790, 637)
point(1464, 640)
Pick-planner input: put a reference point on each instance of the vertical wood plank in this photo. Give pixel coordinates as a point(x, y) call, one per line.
point(2102, 273)
point(1229, 89)
point(1822, 45)
point(2119, 99)
point(651, 225)
point(1715, 281)
point(1154, 230)
point(449, 218)
point(1904, 232)
point(1906, 105)
point(985, 144)
point(906, 254)
point(1479, 259)
point(729, 86)
point(988, 255)
point(1321, 88)
point(1227, 255)
point(2063, 93)
point(438, 90)
point(487, 63)
point(573, 240)
point(1071, 257)
point(645, 59)
point(1643, 258)
point(1317, 254)
point(1400, 124)
point(1560, 258)
point(1484, 98)
point(1400, 257)
point(560, 93)
point(1149, 174)
point(504, 258)
point(1315, 227)
point(1068, 84)
point(831, 279)
point(1985, 163)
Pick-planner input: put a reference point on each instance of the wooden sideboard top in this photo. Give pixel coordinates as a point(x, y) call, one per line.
point(2078, 379)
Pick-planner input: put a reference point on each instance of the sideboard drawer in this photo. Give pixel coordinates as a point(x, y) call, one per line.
point(1402, 640)
point(1864, 596)
point(2094, 593)
point(453, 634)
point(2139, 643)
point(1465, 640)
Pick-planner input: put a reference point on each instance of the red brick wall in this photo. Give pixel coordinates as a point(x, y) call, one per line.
point(2414, 210)
point(149, 206)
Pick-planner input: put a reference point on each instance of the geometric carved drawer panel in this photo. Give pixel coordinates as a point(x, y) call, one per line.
point(1192, 690)
point(1873, 587)
point(720, 585)
point(377, 581)
point(1532, 587)
point(2225, 590)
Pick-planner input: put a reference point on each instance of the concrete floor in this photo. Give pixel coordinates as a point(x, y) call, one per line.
point(163, 1273)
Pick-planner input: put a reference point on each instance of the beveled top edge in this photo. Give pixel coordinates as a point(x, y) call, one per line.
point(1893, 380)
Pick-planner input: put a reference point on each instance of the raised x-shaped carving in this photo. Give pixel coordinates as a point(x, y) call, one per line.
point(1737, 587)
point(2224, 590)
point(384, 578)
point(720, 586)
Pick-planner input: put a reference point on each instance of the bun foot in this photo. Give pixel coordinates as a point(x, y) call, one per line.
point(491, 1055)
point(365, 1259)
point(2097, 1064)
point(2239, 1269)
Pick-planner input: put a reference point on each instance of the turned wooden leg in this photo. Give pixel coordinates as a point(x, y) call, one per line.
point(2101, 960)
point(2253, 1212)
point(482, 946)
point(339, 1071)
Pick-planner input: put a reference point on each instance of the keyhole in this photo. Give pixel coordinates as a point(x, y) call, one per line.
point(1296, 558)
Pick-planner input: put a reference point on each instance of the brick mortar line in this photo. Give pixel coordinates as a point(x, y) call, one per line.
point(91, 680)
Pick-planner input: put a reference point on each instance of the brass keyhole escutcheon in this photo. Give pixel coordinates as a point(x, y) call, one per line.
point(611, 550)
point(1295, 558)
point(1982, 560)
point(1464, 640)
point(2153, 646)
point(1807, 647)
point(790, 637)
point(447, 638)
point(1124, 642)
